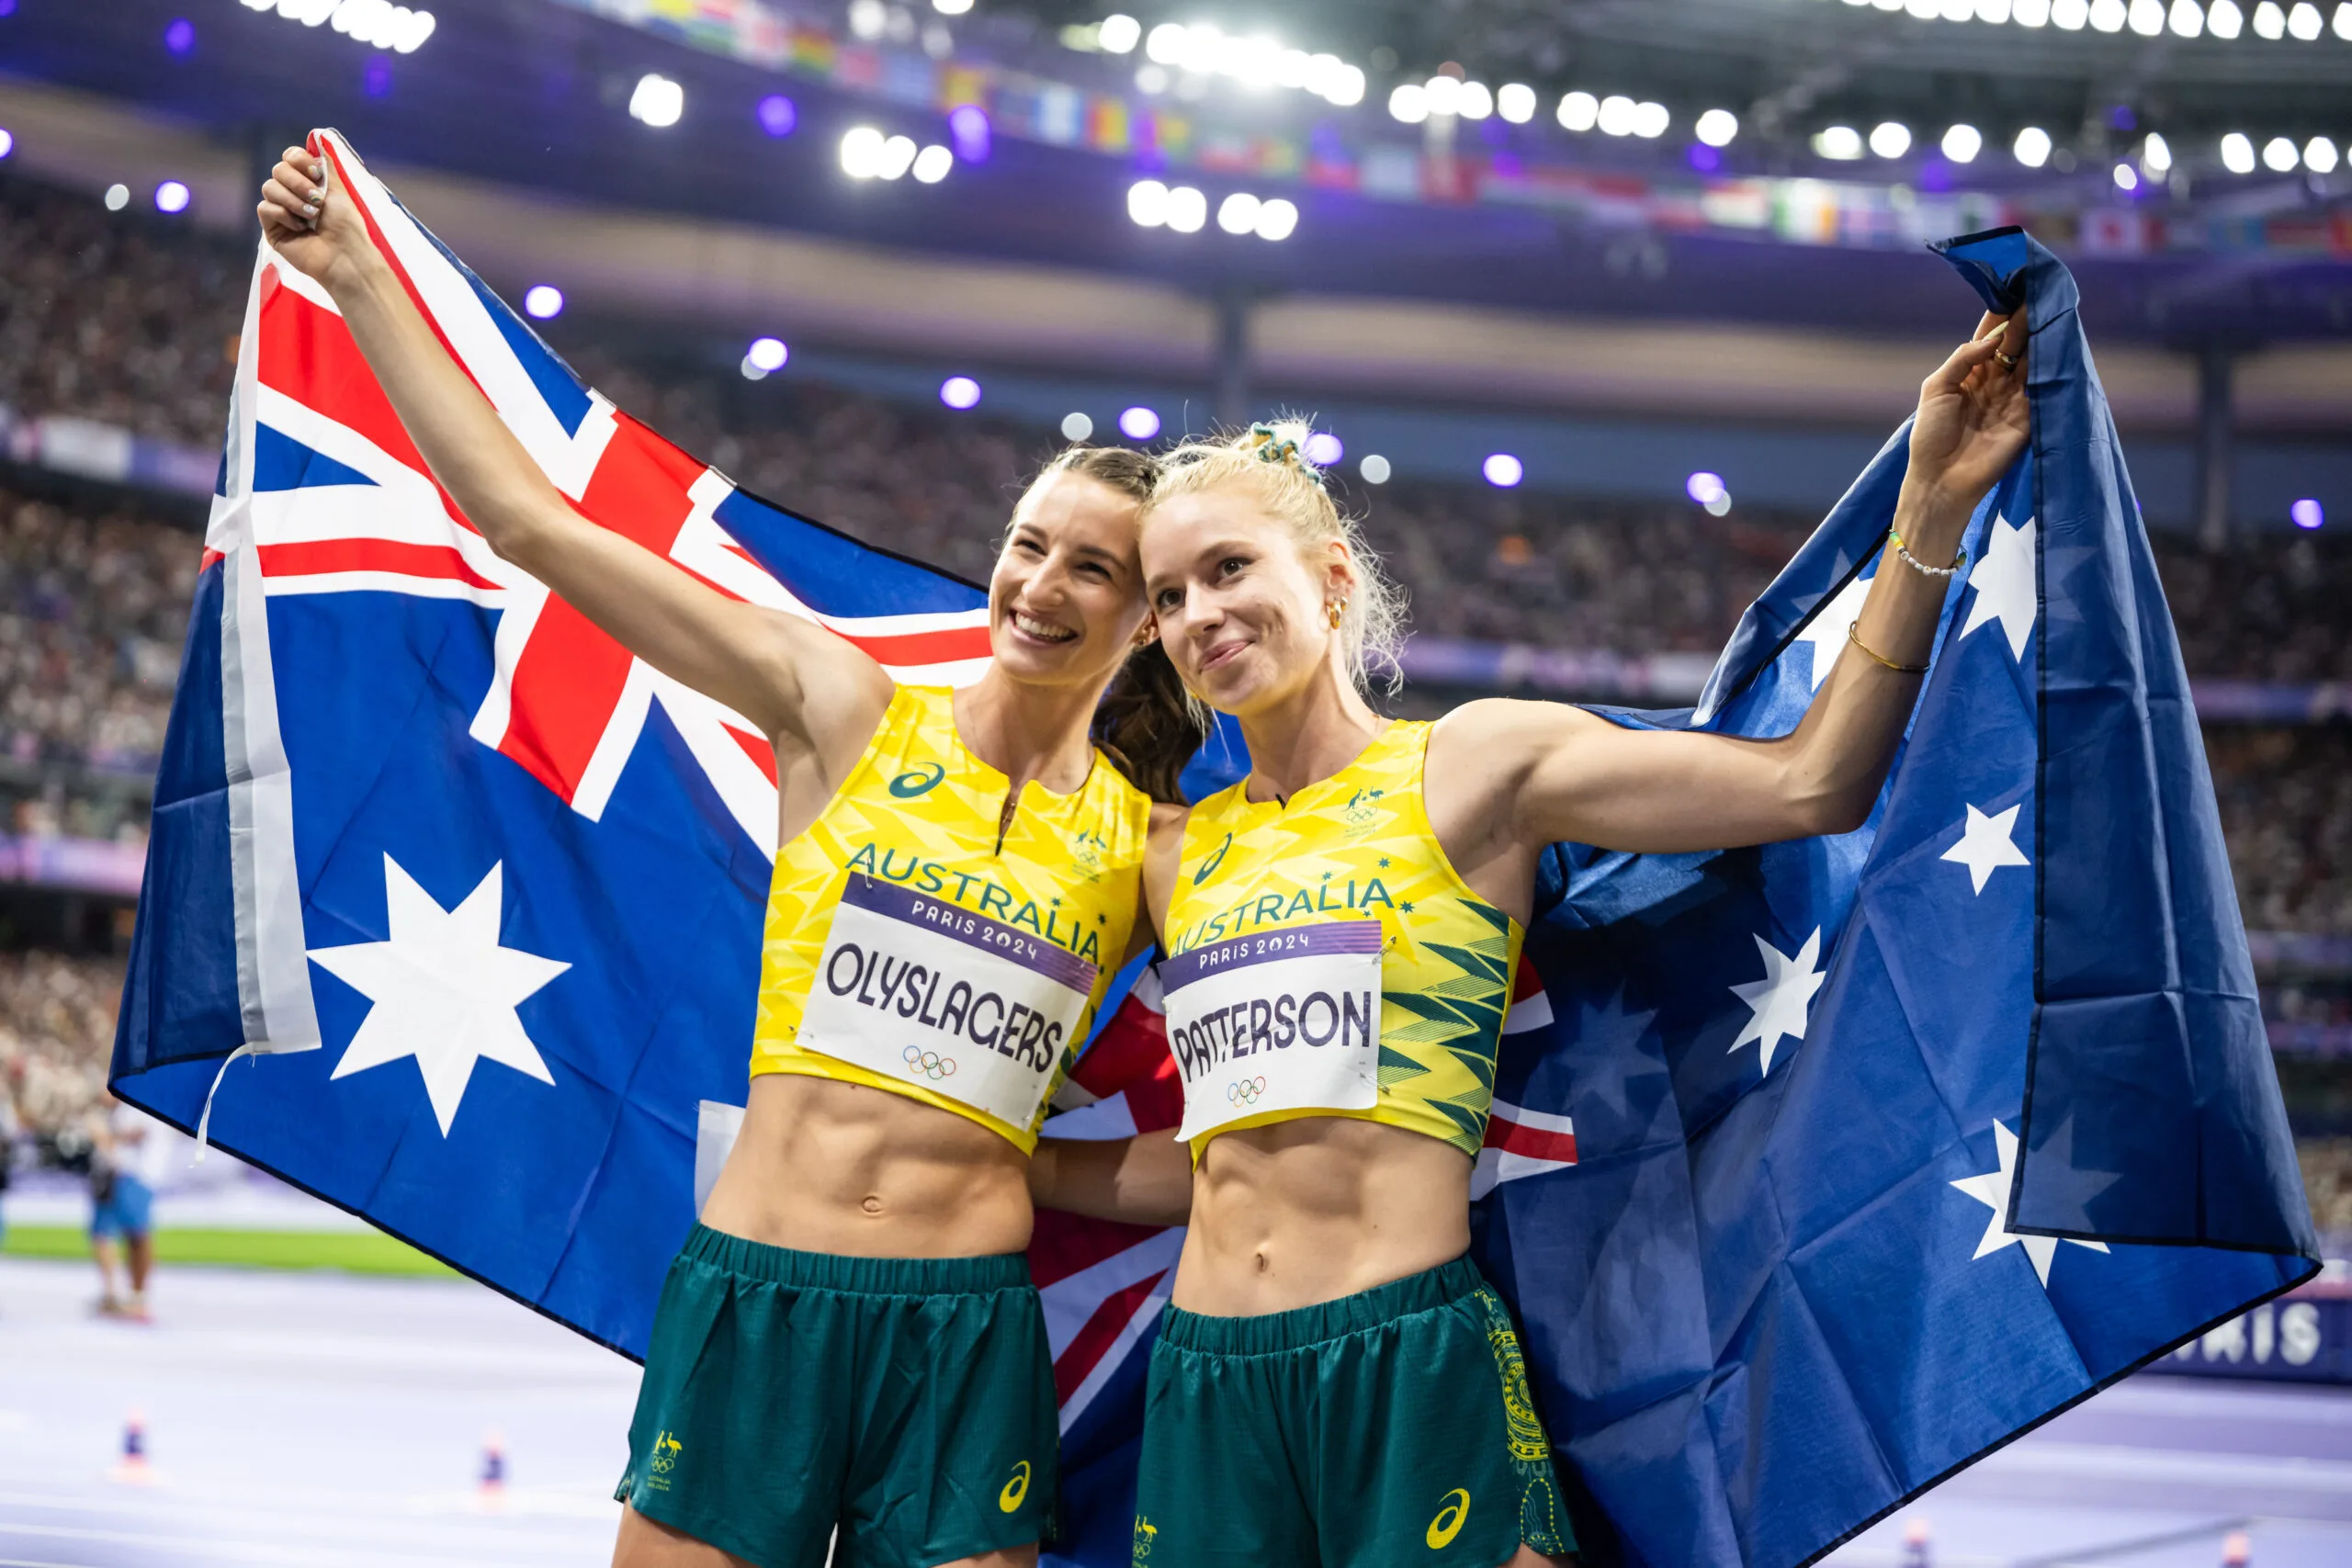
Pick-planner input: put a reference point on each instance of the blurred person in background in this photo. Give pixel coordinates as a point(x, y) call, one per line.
point(128, 1146)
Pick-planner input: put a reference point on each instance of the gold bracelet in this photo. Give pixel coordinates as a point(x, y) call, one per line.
point(1854, 635)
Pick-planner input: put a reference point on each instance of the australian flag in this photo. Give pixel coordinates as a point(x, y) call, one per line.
point(1815, 1172)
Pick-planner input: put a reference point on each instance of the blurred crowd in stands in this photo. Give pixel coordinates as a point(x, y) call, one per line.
point(57, 1014)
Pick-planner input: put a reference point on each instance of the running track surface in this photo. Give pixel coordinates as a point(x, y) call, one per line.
point(329, 1422)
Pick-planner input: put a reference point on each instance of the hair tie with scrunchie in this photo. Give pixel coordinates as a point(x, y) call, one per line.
point(1274, 446)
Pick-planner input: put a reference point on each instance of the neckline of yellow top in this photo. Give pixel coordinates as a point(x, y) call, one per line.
point(974, 759)
point(1389, 730)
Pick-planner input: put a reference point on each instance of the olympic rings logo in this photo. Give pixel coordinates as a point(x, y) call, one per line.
point(1245, 1091)
point(929, 1064)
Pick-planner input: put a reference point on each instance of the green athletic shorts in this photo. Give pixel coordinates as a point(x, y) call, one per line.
point(1387, 1428)
point(909, 1400)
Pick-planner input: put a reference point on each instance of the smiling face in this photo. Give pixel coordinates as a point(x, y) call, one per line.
point(1243, 612)
point(1066, 598)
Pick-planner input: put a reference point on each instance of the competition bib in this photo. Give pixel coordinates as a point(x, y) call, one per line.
point(1283, 1020)
point(915, 987)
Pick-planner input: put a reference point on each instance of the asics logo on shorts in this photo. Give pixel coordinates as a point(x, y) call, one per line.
point(1015, 1489)
point(1245, 1091)
point(1448, 1523)
point(929, 1064)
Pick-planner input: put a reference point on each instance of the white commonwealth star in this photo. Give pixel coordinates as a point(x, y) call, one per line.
point(444, 991)
point(1986, 845)
point(1993, 1189)
point(1777, 1003)
point(1831, 625)
point(2004, 584)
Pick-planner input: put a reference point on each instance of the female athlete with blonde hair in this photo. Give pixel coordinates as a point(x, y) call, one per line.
point(1334, 1383)
point(850, 1340)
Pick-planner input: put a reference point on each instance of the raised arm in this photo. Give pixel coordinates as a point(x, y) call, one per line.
point(1509, 776)
point(794, 680)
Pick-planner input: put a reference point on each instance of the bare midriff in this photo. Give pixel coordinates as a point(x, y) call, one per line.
point(841, 1167)
point(1314, 1209)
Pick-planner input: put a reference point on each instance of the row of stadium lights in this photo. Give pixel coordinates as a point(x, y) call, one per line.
point(377, 23)
point(2149, 18)
point(2032, 148)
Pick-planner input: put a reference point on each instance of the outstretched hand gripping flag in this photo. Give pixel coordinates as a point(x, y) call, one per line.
point(1816, 1170)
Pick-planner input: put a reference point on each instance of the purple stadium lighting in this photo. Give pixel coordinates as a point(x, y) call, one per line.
point(2308, 513)
point(1704, 486)
point(543, 301)
point(967, 127)
point(1323, 449)
point(960, 392)
point(1138, 424)
point(777, 114)
point(376, 79)
point(179, 38)
point(1502, 470)
point(171, 196)
point(7, 8)
point(1704, 158)
point(7, 143)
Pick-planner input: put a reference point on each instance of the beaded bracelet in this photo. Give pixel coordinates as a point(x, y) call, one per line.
point(1916, 564)
point(1854, 635)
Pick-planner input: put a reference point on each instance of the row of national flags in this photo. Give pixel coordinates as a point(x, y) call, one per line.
point(1818, 1171)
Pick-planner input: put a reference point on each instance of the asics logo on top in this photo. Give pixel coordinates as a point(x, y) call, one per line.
point(1245, 1091)
point(929, 1064)
point(1448, 1523)
point(1208, 866)
point(918, 781)
point(1015, 1489)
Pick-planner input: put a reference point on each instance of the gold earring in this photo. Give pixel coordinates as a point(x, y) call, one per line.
point(1338, 609)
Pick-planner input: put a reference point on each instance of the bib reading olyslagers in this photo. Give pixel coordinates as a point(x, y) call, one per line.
point(1285, 916)
point(906, 950)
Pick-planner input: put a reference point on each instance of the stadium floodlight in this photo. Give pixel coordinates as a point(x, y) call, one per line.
point(1277, 220)
point(1961, 143)
point(1442, 94)
point(898, 157)
point(2155, 154)
point(1890, 139)
point(1147, 203)
point(1719, 503)
point(2319, 155)
point(768, 353)
point(2303, 21)
point(2032, 147)
point(1717, 127)
point(1579, 111)
point(1650, 120)
point(1165, 43)
point(658, 101)
point(2147, 17)
point(2279, 154)
point(960, 392)
point(861, 153)
point(7, 143)
point(543, 301)
point(2069, 14)
point(951, 7)
point(2108, 15)
point(1993, 12)
point(1138, 424)
point(1323, 449)
point(2127, 178)
point(967, 127)
point(1188, 209)
point(1618, 114)
point(1343, 88)
point(1842, 143)
point(1409, 103)
point(2308, 513)
point(1077, 426)
point(777, 114)
point(1704, 486)
point(1515, 101)
point(2188, 18)
point(932, 162)
point(1238, 213)
point(2030, 13)
point(1502, 471)
point(118, 197)
point(868, 19)
point(2237, 153)
point(1119, 34)
point(172, 195)
point(1374, 468)
point(2343, 22)
point(179, 37)
point(2270, 21)
point(2223, 19)
point(1477, 101)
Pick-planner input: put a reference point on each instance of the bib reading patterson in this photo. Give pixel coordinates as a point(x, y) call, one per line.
point(908, 949)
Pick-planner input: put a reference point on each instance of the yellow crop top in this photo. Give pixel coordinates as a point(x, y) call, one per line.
point(1273, 902)
point(907, 949)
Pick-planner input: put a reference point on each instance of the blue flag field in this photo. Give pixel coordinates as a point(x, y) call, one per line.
point(1818, 1171)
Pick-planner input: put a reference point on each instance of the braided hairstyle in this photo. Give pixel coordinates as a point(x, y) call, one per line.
point(1146, 723)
